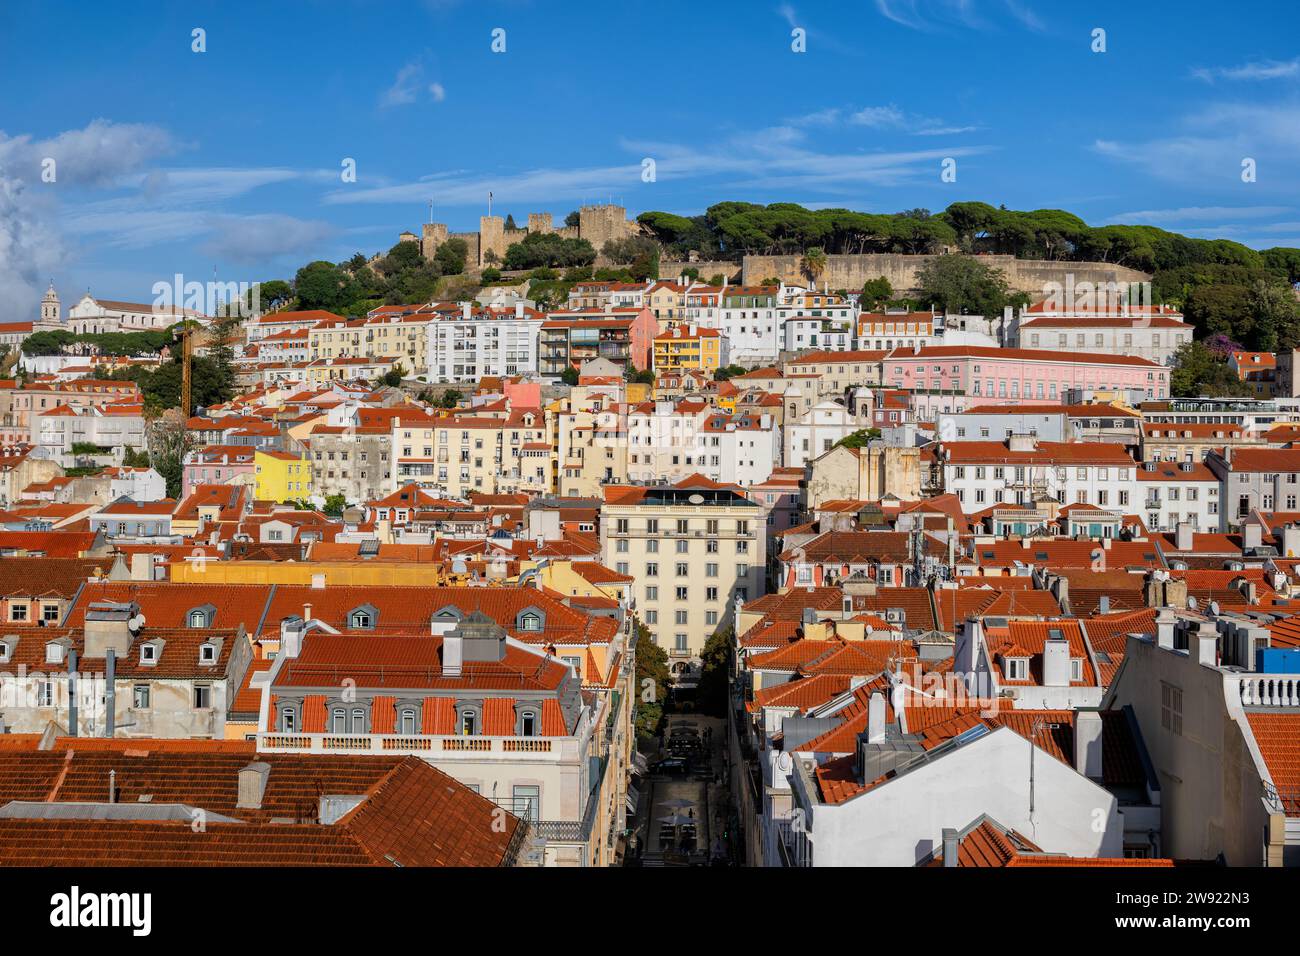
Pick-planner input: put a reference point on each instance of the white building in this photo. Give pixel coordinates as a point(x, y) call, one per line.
point(1176, 492)
point(91, 315)
point(816, 432)
point(471, 346)
point(1154, 333)
point(111, 429)
point(1022, 470)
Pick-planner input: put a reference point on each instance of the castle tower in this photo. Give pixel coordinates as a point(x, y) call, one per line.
point(492, 235)
point(50, 305)
point(540, 222)
point(432, 235)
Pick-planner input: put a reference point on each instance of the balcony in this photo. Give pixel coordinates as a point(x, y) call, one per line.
point(433, 748)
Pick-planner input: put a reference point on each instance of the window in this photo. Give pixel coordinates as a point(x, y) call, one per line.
point(18, 612)
point(527, 723)
point(148, 653)
point(208, 654)
point(1171, 708)
point(363, 618)
point(140, 697)
point(526, 802)
point(45, 693)
point(50, 613)
point(530, 621)
point(202, 696)
point(1017, 668)
point(1076, 668)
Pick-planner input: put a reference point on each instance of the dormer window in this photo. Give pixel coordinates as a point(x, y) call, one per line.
point(467, 720)
point(207, 653)
point(1076, 668)
point(201, 616)
point(363, 618)
point(529, 722)
point(53, 653)
point(530, 619)
point(1017, 668)
point(148, 653)
point(4, 652)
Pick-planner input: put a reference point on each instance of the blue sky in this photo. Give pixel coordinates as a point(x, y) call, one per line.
point(168, 160)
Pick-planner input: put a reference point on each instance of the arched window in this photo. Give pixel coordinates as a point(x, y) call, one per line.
point(288, 718)
point(358, 720)
point(528, 723)
point(198, 619)
point(406, 722)
point(339, 721)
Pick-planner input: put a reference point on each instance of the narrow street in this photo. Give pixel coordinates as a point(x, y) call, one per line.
point(682, 815)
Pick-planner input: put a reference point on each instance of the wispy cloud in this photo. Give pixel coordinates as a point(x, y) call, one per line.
point(1185, 214)
point(982, 15)
point(1254, 70)
point(776, 158)
point(410, 87)
point(888, 117)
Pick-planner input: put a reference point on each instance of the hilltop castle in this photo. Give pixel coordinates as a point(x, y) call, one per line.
point(597, 224)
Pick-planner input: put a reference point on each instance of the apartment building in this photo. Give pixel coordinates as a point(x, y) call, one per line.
point(687, 347)
point(624, 337)
point(1267, 479)
point(811, 435)
point(695, 549)
point(486, 342)
point(1154, 333)
point(838, 372)
point(67, 435)
point(1023, 470)
point(1177, 492)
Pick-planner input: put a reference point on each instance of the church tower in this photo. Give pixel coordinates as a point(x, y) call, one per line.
point(50, 306)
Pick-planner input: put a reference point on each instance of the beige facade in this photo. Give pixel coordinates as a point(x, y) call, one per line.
point(695, 549)
point(865, 474)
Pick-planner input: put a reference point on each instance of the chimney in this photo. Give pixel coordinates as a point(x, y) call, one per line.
point(1252, 535)
point(141, 567)
point(519, 310)
point(72, 692)
point(1087, 743)
point(306, 612)
point(467, 310)
point(110, 692)
point(876, 718)
point(1103, 604)
point(317, 583)
point(112, 786)
point(252, 785)
point(291, 631)
point(453, 655)
point(1056, 663)
point(1291, 541)
point(1165, 625)
point(1183, 536)
point(950, 844)
point(1207, 645)
point(110, 624)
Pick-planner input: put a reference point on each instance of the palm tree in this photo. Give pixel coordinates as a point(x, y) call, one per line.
point(813, 263)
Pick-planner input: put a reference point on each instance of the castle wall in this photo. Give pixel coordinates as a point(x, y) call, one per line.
point(852, 272)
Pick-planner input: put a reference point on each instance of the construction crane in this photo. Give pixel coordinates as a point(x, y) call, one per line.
point(186, 333)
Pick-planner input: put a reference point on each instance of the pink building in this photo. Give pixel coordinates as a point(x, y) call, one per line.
point(217, 465)
point(949, 378)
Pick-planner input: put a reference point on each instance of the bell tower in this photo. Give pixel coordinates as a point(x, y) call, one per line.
point(50, 306)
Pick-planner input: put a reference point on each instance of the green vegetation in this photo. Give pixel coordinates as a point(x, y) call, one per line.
point(711, 694)
point(131, 344)
point(569, 376)
point(651, 684)
point(548, 249)
point(90, 448)
point(859, 438)
point(1203, 372)
point(393, 377)
point(876, 293)
point(161, 387)
point(334, 505)
point(727, 372)
point(134, 459)
point(963, 284)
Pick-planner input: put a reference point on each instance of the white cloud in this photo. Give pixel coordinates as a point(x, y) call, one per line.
point(1197, 213)
point(929, 14)
point(409, 86)
point(1254, 70)
point(252, 240)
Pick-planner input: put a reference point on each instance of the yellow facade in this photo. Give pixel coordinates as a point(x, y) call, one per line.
point(678, 353)
point(281, 477)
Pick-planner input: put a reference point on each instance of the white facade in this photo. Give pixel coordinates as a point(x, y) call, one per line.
point(1174, 493)
point(900, 822)
point(1095, 474)
point(465, 350)
point(816, 432)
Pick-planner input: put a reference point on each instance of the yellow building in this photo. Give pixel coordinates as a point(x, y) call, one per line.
point(689, 347)
point(281, 476)
point(401, 337)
